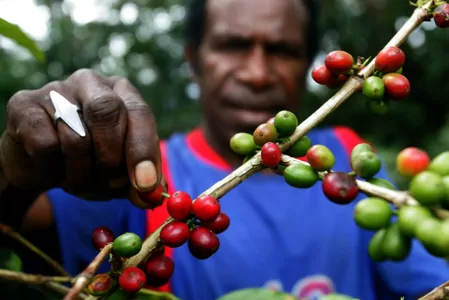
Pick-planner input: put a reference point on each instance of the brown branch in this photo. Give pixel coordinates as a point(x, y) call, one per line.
point(439, 293)
point(397, 198)
point(82, 280)
point(49, 282)
point(8, 231)
point(253, 165)
point(30, 278)
point(63, 290)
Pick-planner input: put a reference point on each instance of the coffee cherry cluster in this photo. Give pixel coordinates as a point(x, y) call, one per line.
point(340, 187)
point(195, 222)
point(338, 66)
point(392, 240)
point(387, 82)
point(130, 279)
point(278, 129)
point(265, 138)
point(429, 185)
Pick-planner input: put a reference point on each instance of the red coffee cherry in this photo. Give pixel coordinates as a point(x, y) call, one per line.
point(154, 198)
point(441, 15)
point(339, 61)
point(219, 225)
point(179, 205)
point(203, 243)
point(322, 75)
point(206, 208)
point(397, 86)
point(271, 155)
point(390, 59)
point(132, 279)
point(175, 234)
point(411, 161)
point(340, 187)
point(159, 270)
point(102, 236)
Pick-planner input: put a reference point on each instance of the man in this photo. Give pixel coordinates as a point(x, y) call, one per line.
point(250, 61)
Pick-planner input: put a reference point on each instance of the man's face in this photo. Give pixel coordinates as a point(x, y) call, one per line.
point(253, 62)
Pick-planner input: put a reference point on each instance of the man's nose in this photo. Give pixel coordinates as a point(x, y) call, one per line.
point(256, 70)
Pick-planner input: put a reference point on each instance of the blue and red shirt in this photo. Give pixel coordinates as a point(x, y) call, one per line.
point(280, 237)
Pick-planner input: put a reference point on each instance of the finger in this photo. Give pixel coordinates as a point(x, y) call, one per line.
point(143, 155)
point(106, 119)
point(77, 150)
point(33, 133)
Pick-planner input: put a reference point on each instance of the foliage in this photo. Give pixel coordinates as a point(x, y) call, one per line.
point(16, 34)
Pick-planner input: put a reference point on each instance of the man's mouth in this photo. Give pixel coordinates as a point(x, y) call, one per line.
point(250, 116)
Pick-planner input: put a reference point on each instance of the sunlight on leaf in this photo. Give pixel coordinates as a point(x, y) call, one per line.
point(16, 34)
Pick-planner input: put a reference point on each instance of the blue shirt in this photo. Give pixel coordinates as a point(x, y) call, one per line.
point(281, 237)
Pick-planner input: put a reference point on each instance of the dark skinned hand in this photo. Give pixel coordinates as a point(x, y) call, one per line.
point(118, 157)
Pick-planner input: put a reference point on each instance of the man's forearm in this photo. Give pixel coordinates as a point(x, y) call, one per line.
point(14, 202)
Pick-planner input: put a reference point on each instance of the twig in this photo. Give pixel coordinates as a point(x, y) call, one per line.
point(63, 290)
point(7, 230)
point(153, 294)
point(253, 165)
point(30, 278)
point(397, 198)
point(82, 280)
point(49, 282)
point(439, 293)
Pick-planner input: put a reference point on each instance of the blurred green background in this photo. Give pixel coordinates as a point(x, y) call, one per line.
point(142, 40)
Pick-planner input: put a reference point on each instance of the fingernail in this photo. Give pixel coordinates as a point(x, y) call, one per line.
point(146, 176)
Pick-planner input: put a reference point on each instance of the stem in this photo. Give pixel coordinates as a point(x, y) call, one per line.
point(18, 237)
point(83, 279)
point(397, 198)
point(63, 290)
point(254, 165)
point(439, 293)
point(152, 294)
point(49, 282)
point(30, 278)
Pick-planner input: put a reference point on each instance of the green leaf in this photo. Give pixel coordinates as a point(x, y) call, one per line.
point(10, 260)
point(257, 293)
point(143, 294)
point(336, 296)
point(16, 34)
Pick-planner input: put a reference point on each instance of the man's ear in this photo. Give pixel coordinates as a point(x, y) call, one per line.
point(190, 55)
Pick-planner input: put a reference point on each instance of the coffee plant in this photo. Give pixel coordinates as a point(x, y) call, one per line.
point(282, 146)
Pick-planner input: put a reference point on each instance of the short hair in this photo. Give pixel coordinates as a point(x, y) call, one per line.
point(196, 15)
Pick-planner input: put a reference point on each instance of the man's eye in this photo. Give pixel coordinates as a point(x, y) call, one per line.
point(285, 50)
point(234, 45)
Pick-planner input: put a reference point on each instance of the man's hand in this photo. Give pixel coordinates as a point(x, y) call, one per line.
point(121, 145)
